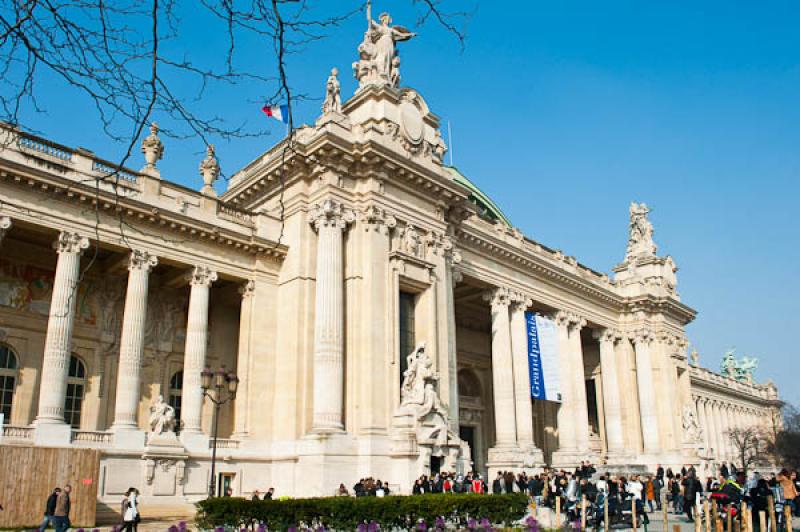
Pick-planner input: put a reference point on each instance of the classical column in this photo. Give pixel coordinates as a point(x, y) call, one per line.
point(131, 347)
point(58, 342)
point(522, 382)
point(611, 400)
point(243, 362)
point(452, 278)
point(194, 357)
point(330, 221)
point(714, 427)
point(502, 370)
point(647, 393)
point(581, 412)
point(702, 403)
point(567, 439)
point(5, 225)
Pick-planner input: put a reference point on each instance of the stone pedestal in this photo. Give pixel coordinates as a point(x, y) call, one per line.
point(321, 461)
point(165, 464)
point(52, 434)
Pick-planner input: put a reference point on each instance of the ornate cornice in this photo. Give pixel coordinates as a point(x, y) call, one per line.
point(121, 198)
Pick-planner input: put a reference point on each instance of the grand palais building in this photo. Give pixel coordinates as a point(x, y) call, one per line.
point(377, 308)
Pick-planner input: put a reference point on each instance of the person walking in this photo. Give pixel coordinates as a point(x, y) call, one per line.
point(49, 509)
point(130, 510)
point(61, 512)
point(788, 487)
point(691, 486)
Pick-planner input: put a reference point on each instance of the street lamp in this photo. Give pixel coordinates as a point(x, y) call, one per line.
point(213, 384)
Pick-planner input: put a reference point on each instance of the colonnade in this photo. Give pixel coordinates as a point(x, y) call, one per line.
point(58, 342)
point(718, 416)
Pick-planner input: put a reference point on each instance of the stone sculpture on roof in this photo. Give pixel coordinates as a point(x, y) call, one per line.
point(640, 241)
point(378, 62)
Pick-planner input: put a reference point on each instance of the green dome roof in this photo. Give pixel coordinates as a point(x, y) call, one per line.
point(486, 207)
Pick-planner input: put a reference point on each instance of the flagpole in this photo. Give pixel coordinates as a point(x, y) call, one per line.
point(450, 141)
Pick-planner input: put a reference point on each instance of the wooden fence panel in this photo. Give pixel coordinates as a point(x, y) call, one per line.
point(29, 474)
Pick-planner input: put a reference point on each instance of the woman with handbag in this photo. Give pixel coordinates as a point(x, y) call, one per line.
point(130, 510)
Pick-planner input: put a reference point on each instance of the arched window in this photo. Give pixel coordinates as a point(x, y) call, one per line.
point(469, 385)
point(8, 381)
point(76, 387)
point(176, 395)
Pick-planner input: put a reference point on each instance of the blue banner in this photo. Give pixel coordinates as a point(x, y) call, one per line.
point(534, 358)
point(543, 358)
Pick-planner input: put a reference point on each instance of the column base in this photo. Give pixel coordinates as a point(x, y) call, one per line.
point(324, 461)
point(505, 458)
point(571, 458)
point(128, 438)
point(53, 434)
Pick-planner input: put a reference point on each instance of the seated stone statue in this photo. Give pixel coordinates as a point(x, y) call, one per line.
point(162, 417)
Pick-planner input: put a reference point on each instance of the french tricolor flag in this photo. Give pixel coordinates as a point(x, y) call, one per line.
point(278, 112)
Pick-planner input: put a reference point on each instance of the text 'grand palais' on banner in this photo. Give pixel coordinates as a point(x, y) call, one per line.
point(543, 357)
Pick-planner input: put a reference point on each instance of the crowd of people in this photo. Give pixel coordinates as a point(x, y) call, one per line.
point(681, 490)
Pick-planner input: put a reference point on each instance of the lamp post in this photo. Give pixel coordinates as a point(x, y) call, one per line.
point(217, 381)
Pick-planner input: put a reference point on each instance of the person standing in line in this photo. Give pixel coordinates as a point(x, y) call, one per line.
point(61, 512)
point(49, 508)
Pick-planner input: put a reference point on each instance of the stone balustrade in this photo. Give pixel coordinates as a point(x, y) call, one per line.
point(224, 443)
point(92, 438)
point(17, 433)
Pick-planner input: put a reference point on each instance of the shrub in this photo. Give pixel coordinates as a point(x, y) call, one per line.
point(347, 513)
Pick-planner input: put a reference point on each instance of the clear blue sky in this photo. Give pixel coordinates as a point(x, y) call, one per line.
point(564, 112)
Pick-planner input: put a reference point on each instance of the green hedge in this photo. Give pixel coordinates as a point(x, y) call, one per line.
point(346, 513)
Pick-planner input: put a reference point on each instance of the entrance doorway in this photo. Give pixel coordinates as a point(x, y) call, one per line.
point(225, 481)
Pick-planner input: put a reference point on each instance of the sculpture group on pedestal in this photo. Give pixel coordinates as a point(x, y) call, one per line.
point(378, 62)
point(640, 241)
point(741, 370)
point(420, 400)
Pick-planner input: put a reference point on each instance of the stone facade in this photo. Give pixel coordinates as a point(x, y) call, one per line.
point(371, 300)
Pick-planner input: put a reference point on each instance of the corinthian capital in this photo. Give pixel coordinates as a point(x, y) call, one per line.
point(642, 336)
point(247, 289)
point(497, 297)
point(142, 260)
point(519, 301)
point(70, 243)
point(607, 335)
point(202, 276)
point(330, 213)
point(5, 225)
point(373, 218)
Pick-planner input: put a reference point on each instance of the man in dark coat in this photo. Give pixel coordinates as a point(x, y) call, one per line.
point(497, 484)
point(49, 508)
point(691, 486)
